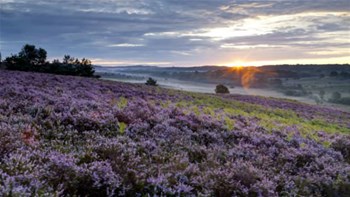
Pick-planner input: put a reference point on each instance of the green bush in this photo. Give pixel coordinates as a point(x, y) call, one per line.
point(151, 82)
point(221, 89)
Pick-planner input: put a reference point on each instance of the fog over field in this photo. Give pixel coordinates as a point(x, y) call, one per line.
point(175, 78)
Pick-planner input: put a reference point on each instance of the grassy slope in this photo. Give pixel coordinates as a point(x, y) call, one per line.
point(89, 121)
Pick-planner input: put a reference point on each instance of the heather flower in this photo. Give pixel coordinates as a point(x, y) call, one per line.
point(60, 135)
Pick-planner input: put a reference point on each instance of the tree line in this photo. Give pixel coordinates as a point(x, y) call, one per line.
point(34, 59)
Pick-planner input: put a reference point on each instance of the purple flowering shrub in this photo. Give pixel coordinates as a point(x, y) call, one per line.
point(65, 136)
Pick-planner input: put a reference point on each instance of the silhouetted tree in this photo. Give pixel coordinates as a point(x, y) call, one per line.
point(74, 66)
point(221, 89)
point(28, 59)
point(84, 68)
point(151, 82)
point(32, 59)
point(32, 55)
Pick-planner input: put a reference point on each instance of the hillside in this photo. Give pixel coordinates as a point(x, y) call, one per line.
point(313, 84)
point(62, 135)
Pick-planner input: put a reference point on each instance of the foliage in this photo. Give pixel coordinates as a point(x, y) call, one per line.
point(70, 136)
point(32, 59)
point(221, 89)
point(151, 82)
point(28, 59)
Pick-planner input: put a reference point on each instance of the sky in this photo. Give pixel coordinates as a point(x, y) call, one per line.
point(180, 32)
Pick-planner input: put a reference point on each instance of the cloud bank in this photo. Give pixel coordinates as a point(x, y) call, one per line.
point(181, 33)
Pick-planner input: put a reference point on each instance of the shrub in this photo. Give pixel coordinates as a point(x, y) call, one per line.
point(151, 82)
point(342, 145)
point(221, 89)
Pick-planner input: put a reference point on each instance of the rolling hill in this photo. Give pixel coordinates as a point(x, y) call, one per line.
point(64, 135)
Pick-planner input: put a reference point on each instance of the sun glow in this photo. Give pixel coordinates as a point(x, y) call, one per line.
point(237, 63)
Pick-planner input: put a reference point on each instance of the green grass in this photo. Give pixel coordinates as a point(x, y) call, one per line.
point(269, 118)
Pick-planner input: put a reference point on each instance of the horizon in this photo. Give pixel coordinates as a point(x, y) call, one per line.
point(168, 33)
point(174, 66)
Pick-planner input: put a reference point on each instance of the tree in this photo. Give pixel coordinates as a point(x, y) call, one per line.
point(33, 59)
point(33, 56)
point(85, 68)
point(151, 82)
point(72, 66)
point(28, 59)
point(221, 89)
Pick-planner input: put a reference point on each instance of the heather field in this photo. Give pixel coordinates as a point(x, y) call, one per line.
point(74, 136)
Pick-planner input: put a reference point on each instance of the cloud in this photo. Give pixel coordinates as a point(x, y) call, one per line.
point(180, 32)
point(126, 45)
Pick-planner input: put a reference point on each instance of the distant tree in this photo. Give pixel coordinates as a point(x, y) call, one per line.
point(54, 67)
point(333, 74)
point(85, 68)
point(151, 82)
point(28, 59)
point(15, 63)
point(73, 66)
point(32, 55)
point(221, 89)
point(33, 59)
point(67, 59)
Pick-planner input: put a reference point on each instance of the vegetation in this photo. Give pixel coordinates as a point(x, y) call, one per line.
point(68, 136)
point(221, 89)
point(109, 139)
point(291, 80)
point(151, 82)
point(32, 59)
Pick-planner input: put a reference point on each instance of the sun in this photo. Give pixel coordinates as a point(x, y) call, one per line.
point(238, 64)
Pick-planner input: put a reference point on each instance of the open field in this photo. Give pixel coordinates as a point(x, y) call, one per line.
point(63, 135)
point(305, 89)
